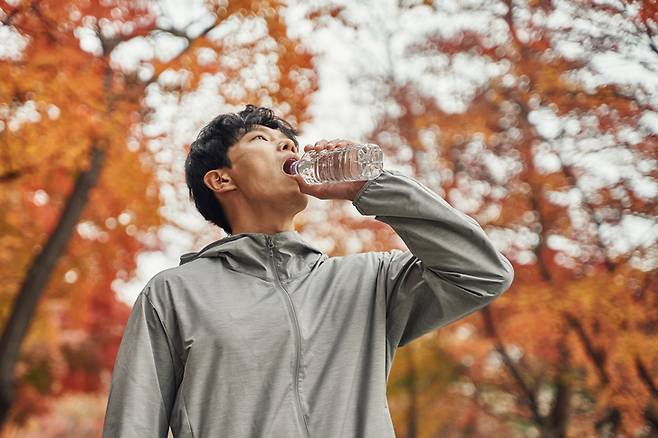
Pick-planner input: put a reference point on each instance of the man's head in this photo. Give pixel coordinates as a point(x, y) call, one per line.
point(234, 171)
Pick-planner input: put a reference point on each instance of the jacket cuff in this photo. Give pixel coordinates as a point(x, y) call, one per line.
point(368, 202)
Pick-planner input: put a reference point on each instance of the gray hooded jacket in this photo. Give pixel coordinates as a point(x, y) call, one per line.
point(262, 335)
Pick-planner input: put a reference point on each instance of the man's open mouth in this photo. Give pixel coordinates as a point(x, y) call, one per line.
point(287, 166)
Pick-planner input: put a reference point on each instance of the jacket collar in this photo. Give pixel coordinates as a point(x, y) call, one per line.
point(250, 253)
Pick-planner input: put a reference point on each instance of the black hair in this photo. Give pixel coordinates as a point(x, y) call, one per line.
point(210, 151)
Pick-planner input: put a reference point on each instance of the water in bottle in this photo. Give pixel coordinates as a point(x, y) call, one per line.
point(356, 162)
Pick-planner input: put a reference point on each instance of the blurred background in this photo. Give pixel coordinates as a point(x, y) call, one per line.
point(537, 118)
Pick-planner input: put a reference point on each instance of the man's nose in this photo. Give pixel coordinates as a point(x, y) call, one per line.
point(288, 145)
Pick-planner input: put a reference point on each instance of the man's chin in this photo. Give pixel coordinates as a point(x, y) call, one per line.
point(301, 200)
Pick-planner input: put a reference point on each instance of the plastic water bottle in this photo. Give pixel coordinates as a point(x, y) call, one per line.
point(355, 162)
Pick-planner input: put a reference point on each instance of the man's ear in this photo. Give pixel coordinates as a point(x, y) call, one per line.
point(219, 181)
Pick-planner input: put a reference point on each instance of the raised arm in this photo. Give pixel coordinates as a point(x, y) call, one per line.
point(451, 269)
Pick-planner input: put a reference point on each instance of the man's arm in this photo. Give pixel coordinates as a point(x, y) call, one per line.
point(451, 269)
point(145, 376)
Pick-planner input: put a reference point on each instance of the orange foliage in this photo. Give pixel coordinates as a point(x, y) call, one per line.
point(563, 349)
point(76, 100)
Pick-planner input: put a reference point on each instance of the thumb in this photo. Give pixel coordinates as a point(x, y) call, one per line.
point(304, 187)
point(300, 180)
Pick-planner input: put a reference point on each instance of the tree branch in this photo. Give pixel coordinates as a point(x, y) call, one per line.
point(646, 31)
point(597, 356)
point(203, 33)
point(509, 363)
point(6, 20)
point(645, 377)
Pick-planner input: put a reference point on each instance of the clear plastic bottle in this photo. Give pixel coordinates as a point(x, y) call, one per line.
point(355, 162)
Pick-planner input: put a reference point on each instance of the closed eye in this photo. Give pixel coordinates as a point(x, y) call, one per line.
point(261, 136)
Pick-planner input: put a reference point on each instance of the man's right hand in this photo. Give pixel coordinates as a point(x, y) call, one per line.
point(344, 190)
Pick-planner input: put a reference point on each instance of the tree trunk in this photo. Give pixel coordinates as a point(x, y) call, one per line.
point(555, 424)
point(37, 277)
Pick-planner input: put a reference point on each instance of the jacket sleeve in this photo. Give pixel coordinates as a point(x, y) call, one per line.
point(145, 377)
point(451, 269)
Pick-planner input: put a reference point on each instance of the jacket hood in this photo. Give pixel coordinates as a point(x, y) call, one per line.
point(290, 255)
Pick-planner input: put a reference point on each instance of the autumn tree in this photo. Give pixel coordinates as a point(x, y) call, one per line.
point(80, 193)
point(521, 116)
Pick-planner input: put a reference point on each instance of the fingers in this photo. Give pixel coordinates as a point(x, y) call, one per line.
point(327, 145)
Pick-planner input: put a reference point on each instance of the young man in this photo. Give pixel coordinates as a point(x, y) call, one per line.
point(260, 334)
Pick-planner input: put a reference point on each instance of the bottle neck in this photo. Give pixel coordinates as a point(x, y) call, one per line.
point(290, 166)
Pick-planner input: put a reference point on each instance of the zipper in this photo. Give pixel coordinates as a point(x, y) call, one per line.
point(298, 336)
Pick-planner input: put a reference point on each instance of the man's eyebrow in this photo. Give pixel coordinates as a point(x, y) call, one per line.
point(264, 132)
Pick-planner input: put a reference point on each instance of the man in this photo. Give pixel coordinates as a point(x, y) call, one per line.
point(260, 334)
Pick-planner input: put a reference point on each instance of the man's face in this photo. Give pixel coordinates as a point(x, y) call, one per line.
point(257, 160)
